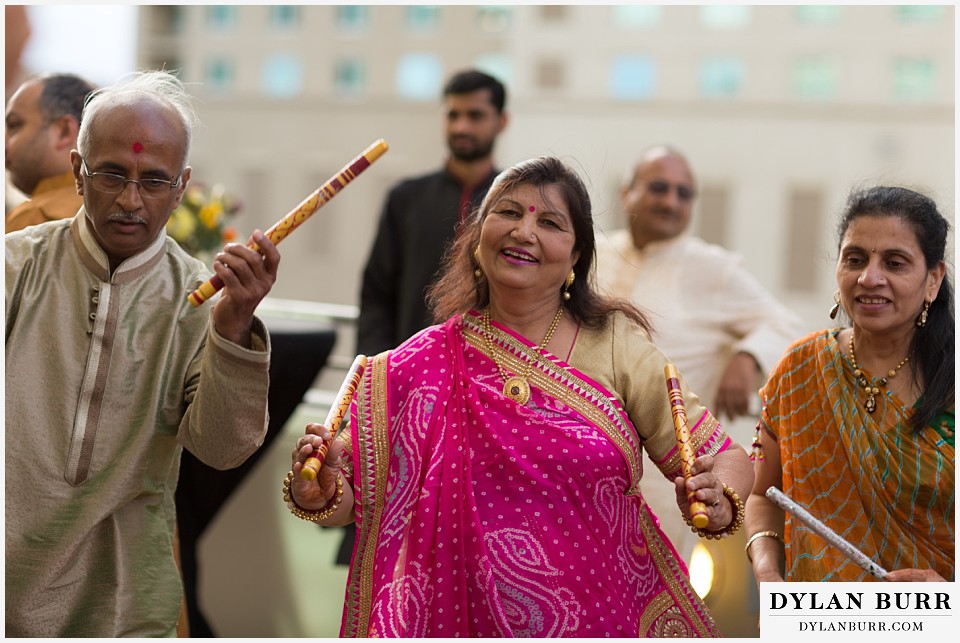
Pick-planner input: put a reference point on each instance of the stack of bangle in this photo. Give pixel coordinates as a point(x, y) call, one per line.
point(317, 515)
point(760, 534)
point(731, 528)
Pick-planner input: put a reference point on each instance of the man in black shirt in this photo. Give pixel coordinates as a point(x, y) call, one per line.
point(421, 215)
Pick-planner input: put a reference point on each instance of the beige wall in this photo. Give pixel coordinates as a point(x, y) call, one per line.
point(759, 147)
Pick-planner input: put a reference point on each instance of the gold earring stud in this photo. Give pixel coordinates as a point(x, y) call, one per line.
point(477, 272)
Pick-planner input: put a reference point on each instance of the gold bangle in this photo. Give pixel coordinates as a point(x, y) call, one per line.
point(760, 534)
point(735, 523)
point(316, 515)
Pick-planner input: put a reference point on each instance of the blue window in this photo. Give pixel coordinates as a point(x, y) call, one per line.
point(419, 77)
point(633, 77)
point(914, 79)
point(221, 17)
point(218, 74)
point(174, 18)
point(818, 14)
point(637, 16)
point(353, 17)
point(724, 16)
point(282, 76)
point(350, 76)
point(721, 77)
point(421, 18)
point(816, 78)
point(284, 16)
point(493, 19)
point(919, 13)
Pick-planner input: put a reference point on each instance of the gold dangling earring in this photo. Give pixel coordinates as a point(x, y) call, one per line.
point(477, 272)
point(835, 309)
point(567, 283)
point(922, 321)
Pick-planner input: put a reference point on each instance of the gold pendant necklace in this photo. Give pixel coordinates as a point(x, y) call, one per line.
point(517, 387)
point(872, 387)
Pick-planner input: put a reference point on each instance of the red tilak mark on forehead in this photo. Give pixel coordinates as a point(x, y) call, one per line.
point(533, 208)
point(138, 147)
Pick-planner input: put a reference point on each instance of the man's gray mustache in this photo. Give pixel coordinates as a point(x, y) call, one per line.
point(126, 217)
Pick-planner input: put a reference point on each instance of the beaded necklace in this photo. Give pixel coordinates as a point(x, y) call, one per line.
point(517, 388)
point(871, 386)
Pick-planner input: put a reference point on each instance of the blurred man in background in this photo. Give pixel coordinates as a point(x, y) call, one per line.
point(42, 122)
point(712, 318)
point(421, 214)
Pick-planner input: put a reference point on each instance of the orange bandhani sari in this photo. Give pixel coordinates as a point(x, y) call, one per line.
point(868, 476)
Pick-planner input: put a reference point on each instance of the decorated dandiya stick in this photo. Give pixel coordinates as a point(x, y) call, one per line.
point(836, 540)
point(698, 510)
point(341, 404)
point(301, 213)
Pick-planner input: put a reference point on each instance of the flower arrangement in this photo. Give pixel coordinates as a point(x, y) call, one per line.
point(200, 222)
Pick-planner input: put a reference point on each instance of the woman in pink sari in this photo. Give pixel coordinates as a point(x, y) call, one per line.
point(495, 479)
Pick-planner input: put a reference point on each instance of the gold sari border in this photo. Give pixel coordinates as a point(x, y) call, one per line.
point(372, 462)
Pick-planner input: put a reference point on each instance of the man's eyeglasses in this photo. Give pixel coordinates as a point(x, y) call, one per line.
point(115, 183)
point(660, 188)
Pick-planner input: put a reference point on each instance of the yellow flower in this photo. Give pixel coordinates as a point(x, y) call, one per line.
point(210, 213)
point(199, 224)
point(181, 224)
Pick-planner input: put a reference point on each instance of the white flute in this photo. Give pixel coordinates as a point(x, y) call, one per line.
point(832, 537)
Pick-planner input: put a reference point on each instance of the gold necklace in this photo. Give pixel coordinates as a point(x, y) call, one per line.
point(872, 387)
point(517, 388)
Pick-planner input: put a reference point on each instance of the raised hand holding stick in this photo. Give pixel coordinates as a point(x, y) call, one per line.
point(302, 212)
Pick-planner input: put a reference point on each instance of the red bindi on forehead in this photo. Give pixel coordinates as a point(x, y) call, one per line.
point(533, 208)
point(137, 147)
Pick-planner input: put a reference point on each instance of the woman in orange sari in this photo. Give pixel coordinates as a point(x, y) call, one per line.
point(858, 423)
point(495, 479)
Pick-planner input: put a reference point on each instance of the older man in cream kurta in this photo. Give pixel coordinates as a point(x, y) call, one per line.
point(110, 372)
point(712, 318)
point(90, 512)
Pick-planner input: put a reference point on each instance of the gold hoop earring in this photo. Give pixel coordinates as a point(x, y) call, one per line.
point(922, 320)
point(477, 272)
point(567, 283)
point(835, 309)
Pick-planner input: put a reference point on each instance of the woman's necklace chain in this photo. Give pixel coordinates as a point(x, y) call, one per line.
point(872, 387)
point(517, 388)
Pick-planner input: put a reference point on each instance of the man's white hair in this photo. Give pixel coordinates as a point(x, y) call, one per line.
point(159, 87)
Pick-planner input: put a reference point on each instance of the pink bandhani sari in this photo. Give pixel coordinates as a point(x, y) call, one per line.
point(480, 517)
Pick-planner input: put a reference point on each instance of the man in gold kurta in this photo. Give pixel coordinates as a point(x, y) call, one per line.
point(110, 372)
point(43, 119)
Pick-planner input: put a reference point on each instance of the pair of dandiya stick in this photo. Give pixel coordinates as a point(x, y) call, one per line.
point(698, 512)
